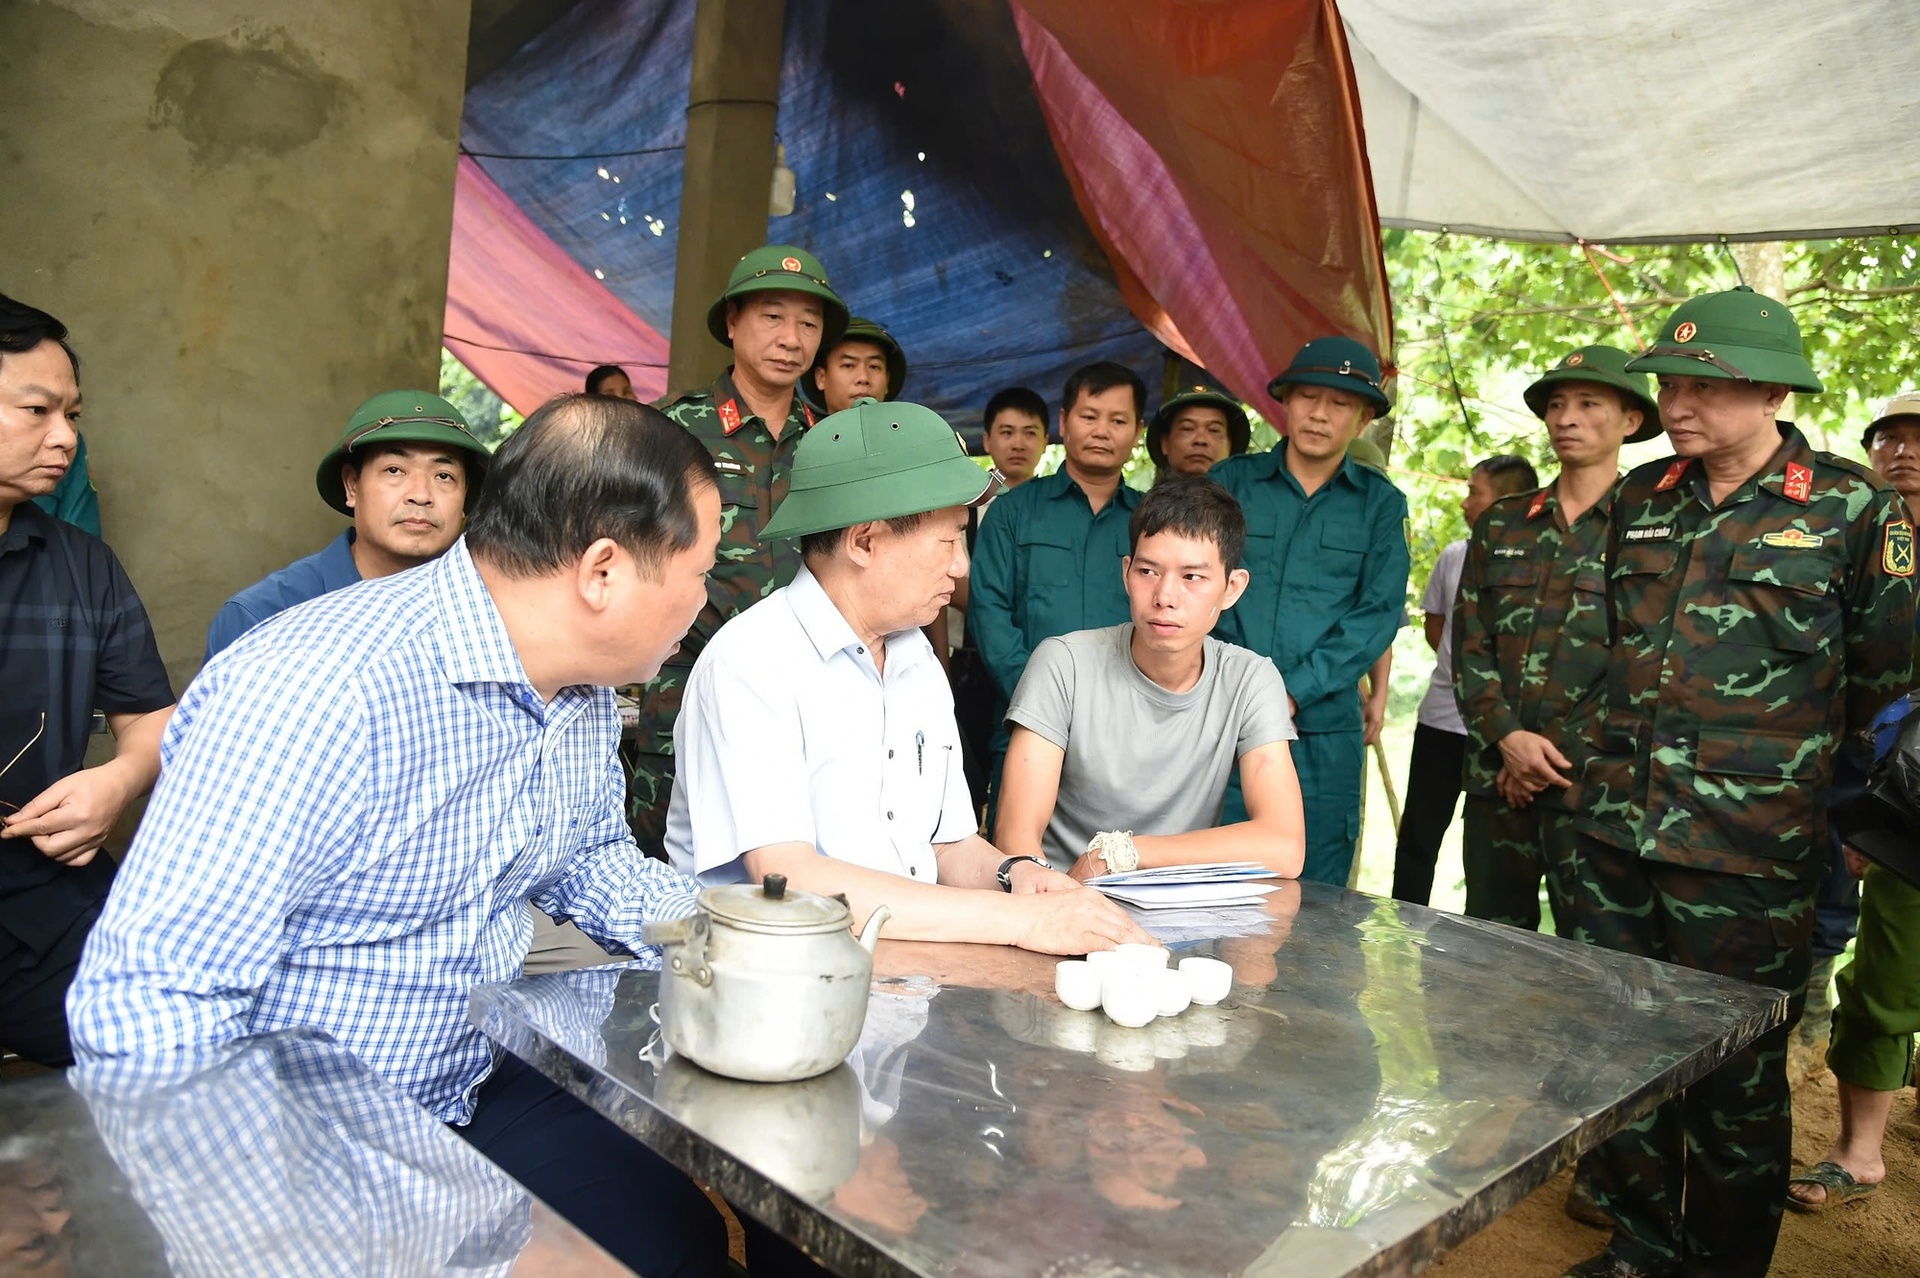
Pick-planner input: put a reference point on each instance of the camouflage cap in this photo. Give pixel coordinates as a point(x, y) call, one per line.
point(779, 268)
point(1239, 434)
point(402, 417)
point(1739, 334)
point(1904, 406)
point(876, 461)
point(860, 329)
point(1604, 366)
point(1339, 363)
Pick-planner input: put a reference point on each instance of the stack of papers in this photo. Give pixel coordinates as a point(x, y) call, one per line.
point(1210, 886)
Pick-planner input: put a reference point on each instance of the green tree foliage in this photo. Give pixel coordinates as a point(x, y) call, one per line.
point(489, 415)
point(1476, 320)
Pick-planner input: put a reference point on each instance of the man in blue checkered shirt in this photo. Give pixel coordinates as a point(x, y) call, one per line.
point(359, 797)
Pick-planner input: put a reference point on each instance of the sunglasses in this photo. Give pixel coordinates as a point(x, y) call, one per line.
point(20, 754)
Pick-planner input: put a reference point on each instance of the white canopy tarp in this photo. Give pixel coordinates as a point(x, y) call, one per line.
point(1657, 120)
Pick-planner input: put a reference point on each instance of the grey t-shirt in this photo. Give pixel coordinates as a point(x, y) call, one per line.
point(1141, 758)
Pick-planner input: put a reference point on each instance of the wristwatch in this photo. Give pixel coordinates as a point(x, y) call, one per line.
point(1005, 874)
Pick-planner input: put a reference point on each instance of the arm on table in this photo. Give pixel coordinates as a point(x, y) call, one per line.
point(1071, 922)
point(1273, 834)
point(71, 818)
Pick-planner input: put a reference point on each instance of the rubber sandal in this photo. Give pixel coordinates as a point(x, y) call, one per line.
point(1839, 1183)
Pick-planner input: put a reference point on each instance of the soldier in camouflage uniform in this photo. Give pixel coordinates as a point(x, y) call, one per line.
point(1530, 638)
point(1760, 600)
point(863, 361)
point(776, 313)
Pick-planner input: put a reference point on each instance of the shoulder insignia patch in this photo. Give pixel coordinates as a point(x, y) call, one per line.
point(729, 416)
point(1539, 504)
point(1652, 532)
point(1799, 483)
point(1896, 552)
point(1674, 474)
point(1792, 539)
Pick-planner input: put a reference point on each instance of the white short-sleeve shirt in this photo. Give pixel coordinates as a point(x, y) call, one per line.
point(788, 733)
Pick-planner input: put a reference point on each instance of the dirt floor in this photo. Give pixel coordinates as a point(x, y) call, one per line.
point(1878, 1237)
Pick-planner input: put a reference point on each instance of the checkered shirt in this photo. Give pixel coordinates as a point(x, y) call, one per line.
point(356, 801)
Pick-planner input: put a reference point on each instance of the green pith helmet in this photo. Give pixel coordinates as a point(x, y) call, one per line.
point(1239, 434)
point(1904, 407)
point(780, 268)
point(876, 461)
point(1339, 363)
point(1739, 334)
point(863, 330)
point(1367, 453)
point(1604, 366)
point(402, 417)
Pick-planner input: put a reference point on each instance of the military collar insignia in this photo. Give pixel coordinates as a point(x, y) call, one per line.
point(806, 411)
point(1792, 539)
point(1539, 504)
point(1798, 486)
point(1652, 532)
point(729, 415)
point(1896, 550)
point(1675, 473)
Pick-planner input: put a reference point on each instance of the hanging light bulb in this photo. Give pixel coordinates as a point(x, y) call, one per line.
point(784, 183)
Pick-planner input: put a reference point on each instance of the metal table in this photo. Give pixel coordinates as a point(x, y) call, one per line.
point(1384, 1080)
point(279, 1155)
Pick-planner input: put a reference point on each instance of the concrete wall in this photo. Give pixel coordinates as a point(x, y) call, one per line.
point(242, 210)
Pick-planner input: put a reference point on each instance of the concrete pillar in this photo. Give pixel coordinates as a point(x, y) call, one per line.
point(242, 209)
point(729, 169)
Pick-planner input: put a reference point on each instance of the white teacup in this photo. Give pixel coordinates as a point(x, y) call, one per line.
point(1208, 980)
point(1128, 998)
point(1144, 958)
point(1077, 982)
point(1107, 959)
point(1170, 991)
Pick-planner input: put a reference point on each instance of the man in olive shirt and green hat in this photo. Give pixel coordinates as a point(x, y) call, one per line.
point(778, 311)
point(1195, 431)
point(817, 739)
point(1327, 550)
point(865, 361)
point(406, 471)
point(1760, 604)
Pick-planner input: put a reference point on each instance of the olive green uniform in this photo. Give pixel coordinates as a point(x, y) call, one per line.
point(1751, 635)
point(754, 467)
point(1530, 654)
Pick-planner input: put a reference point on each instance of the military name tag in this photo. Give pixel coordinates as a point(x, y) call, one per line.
point(728, 466)
point(1658, 532)
point(1896, 553)
point(1509, 552)
point(1792, 539)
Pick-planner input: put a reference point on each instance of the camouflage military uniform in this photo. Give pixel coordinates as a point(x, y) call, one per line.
point(753, 468)
point(1530, 654)
point(1750, 637)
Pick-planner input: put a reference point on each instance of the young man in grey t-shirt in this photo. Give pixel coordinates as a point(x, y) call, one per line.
point(1124, 738)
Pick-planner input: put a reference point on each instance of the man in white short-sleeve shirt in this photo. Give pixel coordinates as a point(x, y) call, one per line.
point(1124, 738)
point(817, 740)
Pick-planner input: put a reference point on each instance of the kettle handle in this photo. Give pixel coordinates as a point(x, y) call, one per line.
point(870, 934)
point(668, 934)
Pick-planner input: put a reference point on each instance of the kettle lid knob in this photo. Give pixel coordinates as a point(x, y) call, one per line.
point(774, 886)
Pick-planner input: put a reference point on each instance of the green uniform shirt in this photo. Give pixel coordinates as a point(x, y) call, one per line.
point(1530, 633)
point(1750, 638)
point(1045, 564)
point(1329, 579)
point(753, 468)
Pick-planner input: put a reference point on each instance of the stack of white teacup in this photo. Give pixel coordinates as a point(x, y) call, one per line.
point(1133, 984)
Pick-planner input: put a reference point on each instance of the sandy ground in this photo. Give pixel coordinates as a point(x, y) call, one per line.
point(1878, 1237)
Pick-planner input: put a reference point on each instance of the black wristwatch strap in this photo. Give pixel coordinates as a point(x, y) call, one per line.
point(1006, 870)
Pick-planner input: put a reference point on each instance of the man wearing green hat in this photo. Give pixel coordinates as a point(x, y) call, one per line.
point(1327, 550)
point(1196, 430)
point(1760, 605)
point(1530, 638)
point(406, 471)
point(777, 313)
point(817, 738)
point(864, 361)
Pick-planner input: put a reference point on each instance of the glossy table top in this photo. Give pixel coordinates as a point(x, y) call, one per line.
point(1383, 1081)
point(279, 1155)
